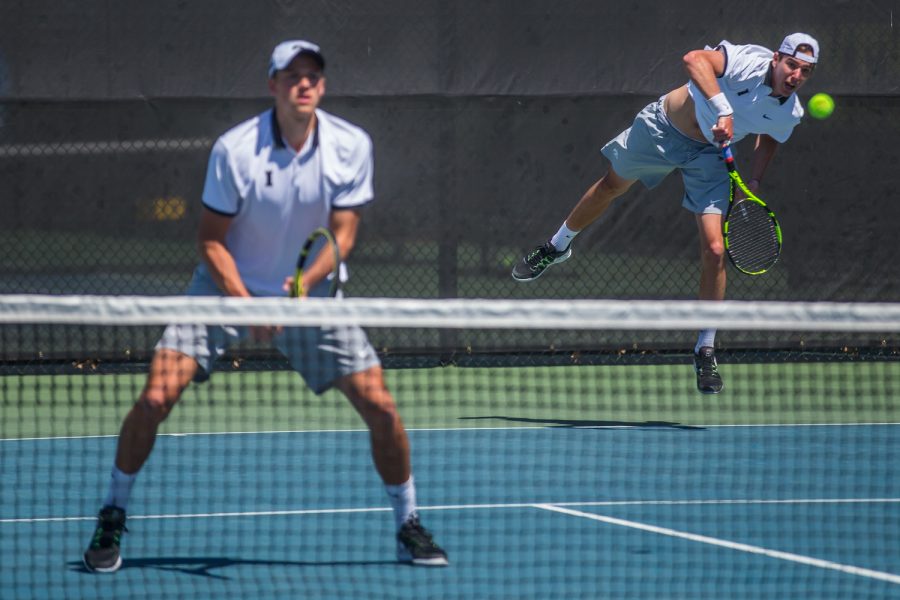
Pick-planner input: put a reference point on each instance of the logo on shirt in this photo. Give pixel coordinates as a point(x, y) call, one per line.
point(765, 116)
point(268, 178)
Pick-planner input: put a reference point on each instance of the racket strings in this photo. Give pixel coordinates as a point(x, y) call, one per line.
point(753, 240)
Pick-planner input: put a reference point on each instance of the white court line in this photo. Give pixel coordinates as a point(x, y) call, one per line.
point(325, 511)
point(734, 501)
point(277, 432)
point(798, 558)
point(675, 426)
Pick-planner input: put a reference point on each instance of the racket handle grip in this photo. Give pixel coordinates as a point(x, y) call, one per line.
point(726, 151)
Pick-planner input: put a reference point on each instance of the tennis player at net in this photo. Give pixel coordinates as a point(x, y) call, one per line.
point(733, 91)
point(271, 181)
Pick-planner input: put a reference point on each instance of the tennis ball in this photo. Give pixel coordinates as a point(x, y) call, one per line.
point(821, 106)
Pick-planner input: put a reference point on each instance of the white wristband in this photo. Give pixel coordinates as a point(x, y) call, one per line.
point(720, 104)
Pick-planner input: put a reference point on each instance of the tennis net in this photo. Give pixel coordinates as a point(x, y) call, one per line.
point(560, 449)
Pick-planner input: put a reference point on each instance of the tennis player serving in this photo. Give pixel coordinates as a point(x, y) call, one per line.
point(272, 180)
point(733, 91)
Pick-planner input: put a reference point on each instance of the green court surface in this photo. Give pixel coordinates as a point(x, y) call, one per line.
point(450, 397)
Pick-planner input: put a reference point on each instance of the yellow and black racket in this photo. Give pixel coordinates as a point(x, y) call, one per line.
point(316, 243)
point(751, 232)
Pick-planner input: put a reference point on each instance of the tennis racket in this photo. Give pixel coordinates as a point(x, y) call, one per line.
point(751, 232)
point(314, 244)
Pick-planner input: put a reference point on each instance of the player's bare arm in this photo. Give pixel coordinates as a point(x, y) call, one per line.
point(704, 67)
point(762, 155)
point(345, 225)
point(221, 265)
point(213, 252)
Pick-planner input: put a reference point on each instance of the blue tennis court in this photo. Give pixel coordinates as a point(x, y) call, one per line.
point(562, 510)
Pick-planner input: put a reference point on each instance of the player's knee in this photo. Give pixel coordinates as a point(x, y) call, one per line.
point(714, 251)
point(610, 187)
point(156, 404)
point(613, 185)
point(381, 416)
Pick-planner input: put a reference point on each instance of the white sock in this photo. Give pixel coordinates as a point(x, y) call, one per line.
point(563, 237)
point(403, 500)
point(119, 489)
point(707, 337)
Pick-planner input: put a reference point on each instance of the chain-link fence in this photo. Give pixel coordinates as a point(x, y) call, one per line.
point(485, 138)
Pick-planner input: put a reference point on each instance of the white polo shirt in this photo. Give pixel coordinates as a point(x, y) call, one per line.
point(744, 83)
point(277, 196)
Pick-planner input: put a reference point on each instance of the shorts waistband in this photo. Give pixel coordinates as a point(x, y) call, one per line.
point(664, 120)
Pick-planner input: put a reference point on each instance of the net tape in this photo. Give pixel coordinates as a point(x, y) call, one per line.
point(453, 313)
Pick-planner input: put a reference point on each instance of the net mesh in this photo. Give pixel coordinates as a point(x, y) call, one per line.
point(560, 449)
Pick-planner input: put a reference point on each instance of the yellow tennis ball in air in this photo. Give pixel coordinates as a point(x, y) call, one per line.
point(821, 106)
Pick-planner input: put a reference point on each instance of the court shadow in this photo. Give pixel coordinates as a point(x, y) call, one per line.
point(203, 565)
point(587, 423)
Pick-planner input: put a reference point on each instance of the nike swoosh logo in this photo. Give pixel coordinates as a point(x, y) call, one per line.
point(767, 117)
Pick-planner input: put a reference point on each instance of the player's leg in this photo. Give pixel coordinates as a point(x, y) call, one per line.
point(369, 395)
point(342, 357)
point(170, 373)
point(597, 199)
point(638, 153)
point(183, 353)
point(712, 287)
point(592, 205)
point(706, 193)
point(712, 257)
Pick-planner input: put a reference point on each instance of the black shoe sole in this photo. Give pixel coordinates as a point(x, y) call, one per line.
point(556, 262)
point(529, 279)
point(115, 567)
point(438, 561)
point(709, 392)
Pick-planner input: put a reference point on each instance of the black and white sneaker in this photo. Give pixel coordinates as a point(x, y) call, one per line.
point(536, 262)
point(415, 545)
point(708, 379)
point(102, 555)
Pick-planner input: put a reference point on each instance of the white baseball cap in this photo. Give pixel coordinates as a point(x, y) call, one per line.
point(285, 52)
point(790, 43)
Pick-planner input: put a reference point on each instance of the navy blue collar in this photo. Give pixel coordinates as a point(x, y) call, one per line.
point(277, 138)
point(276, 131)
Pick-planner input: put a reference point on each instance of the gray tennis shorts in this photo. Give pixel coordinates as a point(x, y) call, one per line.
point(320, 354)
point(652, 148)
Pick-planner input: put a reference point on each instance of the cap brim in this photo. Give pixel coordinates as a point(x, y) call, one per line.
point(315, 55)
point(320, 60)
